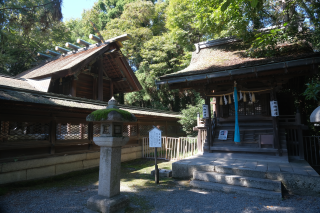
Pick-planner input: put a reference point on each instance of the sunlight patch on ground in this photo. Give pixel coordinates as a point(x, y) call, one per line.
point(199, 191)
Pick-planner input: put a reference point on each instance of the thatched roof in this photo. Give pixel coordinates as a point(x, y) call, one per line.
point(232, 55)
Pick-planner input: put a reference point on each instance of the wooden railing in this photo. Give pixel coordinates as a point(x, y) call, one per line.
point(312, 149)
point(172, 148)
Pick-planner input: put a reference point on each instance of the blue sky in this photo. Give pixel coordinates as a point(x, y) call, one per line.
point(74, 8)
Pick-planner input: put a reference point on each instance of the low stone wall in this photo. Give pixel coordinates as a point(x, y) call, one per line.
point(47, 167)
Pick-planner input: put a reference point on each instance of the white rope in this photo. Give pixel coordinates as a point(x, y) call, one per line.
point(225, 100)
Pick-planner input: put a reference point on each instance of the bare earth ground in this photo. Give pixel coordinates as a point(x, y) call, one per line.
point(69, 193)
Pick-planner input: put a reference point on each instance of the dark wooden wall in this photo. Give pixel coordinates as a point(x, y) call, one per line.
point(37, 130)
point(84, 88)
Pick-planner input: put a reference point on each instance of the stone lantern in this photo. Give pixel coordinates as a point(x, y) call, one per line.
point(110, 141)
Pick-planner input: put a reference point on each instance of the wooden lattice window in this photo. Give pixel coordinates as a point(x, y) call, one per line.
point(144, 130)
point(71, 131)
point(23, 131)
point(130, 130)
point(96, 130)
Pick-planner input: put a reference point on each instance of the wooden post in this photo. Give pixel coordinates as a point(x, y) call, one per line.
point(94, 89)
point(81, 131)
point(156, 170)
point(52, 136)
point(275, 123)
point(100, 79)
point(90, 135)
point(73, 91)
point(300, 135)
point(199, 144)
point(138, 133)
point(208, 126)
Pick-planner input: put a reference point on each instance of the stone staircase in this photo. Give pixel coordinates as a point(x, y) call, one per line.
point(231, 182)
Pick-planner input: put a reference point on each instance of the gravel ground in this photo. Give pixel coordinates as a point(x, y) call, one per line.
point(164, 199)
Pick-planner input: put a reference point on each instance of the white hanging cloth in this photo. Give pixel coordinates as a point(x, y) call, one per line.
point(233, 96)
point(250, 96)
point(240, 96)
point(225, 100)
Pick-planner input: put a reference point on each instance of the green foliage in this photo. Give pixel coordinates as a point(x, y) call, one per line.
point(312, 91)
point(189, 117)
point(102, 114)
point(26, 28)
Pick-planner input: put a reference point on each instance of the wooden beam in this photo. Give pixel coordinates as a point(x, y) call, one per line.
point(100, 79)
point(111, 89)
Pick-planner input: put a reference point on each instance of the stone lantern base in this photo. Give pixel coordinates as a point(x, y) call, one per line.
point(109, 199)
point(99, 203)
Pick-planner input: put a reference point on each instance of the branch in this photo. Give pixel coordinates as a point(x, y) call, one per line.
point(23, 8)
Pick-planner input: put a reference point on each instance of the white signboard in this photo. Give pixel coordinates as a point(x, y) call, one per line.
point(274, 108)
point(223, 135)
point(155, 137)
point(205, 111)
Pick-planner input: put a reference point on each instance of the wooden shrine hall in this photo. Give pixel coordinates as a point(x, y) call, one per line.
point(96, 71)
point(215, 67)
point(43, 127)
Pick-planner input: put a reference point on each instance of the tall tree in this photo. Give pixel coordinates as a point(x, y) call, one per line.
point(28, 27)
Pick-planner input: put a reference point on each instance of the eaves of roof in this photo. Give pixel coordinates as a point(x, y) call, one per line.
point(239, 71)
point(38, 97)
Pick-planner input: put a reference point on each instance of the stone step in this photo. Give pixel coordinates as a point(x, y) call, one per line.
point(236, 189)
point(237, 180)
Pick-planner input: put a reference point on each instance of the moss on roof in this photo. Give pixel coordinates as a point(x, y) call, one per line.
point(234, 56)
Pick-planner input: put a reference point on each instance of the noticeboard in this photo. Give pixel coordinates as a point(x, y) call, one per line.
point(155, 137)
point(223, 135)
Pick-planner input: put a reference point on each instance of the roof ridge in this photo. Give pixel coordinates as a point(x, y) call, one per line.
point(215, 42)
point(12, 77)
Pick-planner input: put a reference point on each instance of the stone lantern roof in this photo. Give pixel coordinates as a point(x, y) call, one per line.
point(111, 114)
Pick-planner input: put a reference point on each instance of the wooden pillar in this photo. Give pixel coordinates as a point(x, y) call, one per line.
point(111, 89)
point(81, 131)
point(218, 107)
point(100, 80)
point(166, 129)
point(275, 123)
point(68, 128)
point(208, 126)
point(90, 135)
point(73, 91)
point(138, 134)
point(52, 136)
point(94, 89)
point(300, 135)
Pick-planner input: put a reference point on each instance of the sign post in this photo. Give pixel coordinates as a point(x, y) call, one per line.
point(155, 141)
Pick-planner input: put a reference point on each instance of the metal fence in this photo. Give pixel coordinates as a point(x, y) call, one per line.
point(172, 148)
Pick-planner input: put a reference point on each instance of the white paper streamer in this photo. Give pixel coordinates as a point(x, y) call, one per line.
point(240, 96)
point(233, 96)
point(250, 96)
point(225, 100)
